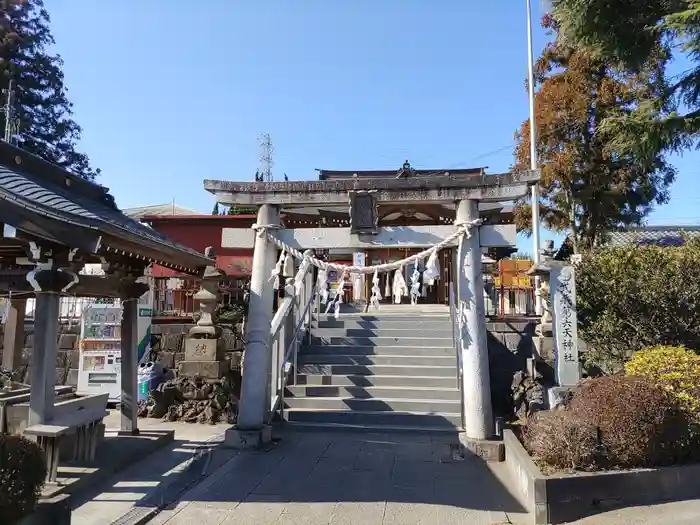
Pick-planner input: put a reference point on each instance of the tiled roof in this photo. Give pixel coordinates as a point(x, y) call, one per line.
point(48, 191)
point(662, 235)
point(158, 210)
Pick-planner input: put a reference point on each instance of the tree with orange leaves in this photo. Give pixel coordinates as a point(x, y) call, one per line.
point(587, 188)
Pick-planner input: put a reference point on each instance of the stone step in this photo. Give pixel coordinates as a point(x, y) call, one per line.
point(379, 350)
point(404, 360)
point(415, 323)
point(420, 381)
point(409, 332)
point(382, 392)
point(384, 370)
point(384, 341)
point(372, 405)
point(373, 419)
point(448, 433)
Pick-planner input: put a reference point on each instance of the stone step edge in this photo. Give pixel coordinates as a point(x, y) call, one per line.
point(385, 366)
point(371, 428)
point(431, 388)
point(383, 399)
point(376, 375)
point(372, 412)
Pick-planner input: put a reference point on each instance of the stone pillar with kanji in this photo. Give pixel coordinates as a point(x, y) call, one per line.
point(205, 352)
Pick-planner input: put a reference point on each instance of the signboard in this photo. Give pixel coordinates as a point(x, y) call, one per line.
point(364, 217)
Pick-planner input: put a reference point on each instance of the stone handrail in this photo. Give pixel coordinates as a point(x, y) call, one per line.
point(287, 331)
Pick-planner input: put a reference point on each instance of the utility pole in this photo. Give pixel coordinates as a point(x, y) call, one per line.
point(266, 162)
point(535, 188)
point(9, 111)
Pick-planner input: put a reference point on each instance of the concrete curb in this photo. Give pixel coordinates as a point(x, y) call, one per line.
point(565, 498)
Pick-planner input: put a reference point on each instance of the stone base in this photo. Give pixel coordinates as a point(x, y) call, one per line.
point(558, 396)
point(245, 439)
point(487, 449)
point(207, 370)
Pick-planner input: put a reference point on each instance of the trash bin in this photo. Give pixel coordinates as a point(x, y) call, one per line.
point(150, 375)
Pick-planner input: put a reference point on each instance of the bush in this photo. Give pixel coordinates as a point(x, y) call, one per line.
point(612, 422)
point(22, 473)
point(632, 298)
point(674, 368)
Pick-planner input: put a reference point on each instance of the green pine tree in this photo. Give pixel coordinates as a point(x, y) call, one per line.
point(42, 112)
point(215, 211)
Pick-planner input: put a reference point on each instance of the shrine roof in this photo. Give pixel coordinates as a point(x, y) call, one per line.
point(45, 203)
point(652, 235)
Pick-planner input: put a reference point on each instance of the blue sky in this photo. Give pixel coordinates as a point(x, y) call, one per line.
point(169, 94)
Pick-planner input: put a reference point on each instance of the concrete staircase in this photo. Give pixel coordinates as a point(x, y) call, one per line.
point(392, 369)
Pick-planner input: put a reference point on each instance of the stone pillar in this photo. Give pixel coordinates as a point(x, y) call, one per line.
point(48, 282)
point(130, 291)
point(13, 341)
point(204, 353)
point(476, 384)
point(251, 429)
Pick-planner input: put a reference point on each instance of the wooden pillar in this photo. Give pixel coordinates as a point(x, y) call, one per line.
point(13, 341)
point(130, 292)
point(48, 282)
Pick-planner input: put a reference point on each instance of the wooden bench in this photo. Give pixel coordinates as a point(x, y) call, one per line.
point(84, 422)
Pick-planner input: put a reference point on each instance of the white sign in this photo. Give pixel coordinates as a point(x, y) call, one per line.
point(358, 285)
point(562, 286)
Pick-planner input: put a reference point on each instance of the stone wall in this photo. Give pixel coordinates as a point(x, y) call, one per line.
point(172, 344)
point(510, 345)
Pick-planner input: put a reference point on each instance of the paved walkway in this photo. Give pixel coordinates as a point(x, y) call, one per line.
point(310, 478)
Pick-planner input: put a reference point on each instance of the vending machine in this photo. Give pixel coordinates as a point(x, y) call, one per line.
point(99, 369)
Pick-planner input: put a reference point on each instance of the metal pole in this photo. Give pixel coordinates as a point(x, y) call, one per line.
point(535, 189)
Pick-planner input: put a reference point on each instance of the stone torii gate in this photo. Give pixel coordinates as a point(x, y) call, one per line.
point(363, 196)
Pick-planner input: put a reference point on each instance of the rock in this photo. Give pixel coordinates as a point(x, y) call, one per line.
point(193, 400)
point(528, 395)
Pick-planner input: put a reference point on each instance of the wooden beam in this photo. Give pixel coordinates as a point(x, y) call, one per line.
point(492, 236)
point(88, 285)
point(436, 189)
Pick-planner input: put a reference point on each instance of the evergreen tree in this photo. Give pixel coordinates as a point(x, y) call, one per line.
point(216, 211)
point(631, 32)
point(588, 187)
point(42, 122)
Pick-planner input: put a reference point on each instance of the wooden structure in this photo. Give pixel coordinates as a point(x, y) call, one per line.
point(53, 224)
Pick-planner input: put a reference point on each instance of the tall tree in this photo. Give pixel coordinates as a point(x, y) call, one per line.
point(587, 187)
point(630, 32)
point(216, 210)
point(42, 114)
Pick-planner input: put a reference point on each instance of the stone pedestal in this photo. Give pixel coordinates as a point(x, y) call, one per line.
point(246, 439)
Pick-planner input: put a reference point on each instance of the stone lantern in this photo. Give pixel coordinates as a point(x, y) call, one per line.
point(204, 348)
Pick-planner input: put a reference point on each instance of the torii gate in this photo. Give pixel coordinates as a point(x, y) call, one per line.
point(362, 196)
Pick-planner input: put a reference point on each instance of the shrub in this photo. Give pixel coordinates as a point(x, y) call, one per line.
point(632, 298)
point(22, 473)
point(557, 439)
point(612, 422)
point(674, 368)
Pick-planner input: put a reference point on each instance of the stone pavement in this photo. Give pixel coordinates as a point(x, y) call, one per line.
point(337, 478)
point(131, 487)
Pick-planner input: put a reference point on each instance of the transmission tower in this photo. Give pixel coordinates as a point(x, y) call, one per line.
point(266, 162)
point(11, 121)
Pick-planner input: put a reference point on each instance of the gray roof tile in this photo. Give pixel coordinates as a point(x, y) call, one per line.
point(650, 235)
